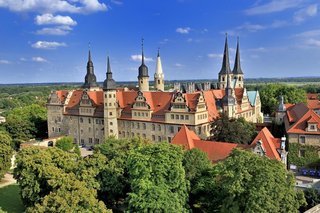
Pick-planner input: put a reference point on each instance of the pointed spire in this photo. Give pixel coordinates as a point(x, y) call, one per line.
point(142, 51)
point(237, 66)
point(159, 72)
point(89, 57)
point(90, 80)
point(158, 52)
point(109, 83)
point(108, 66)
point(225, 63)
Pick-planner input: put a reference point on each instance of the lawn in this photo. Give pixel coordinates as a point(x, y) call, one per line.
point(10, 199)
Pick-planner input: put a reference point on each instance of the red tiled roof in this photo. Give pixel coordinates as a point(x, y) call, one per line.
point(269, 143)
point(313, 104)
point(312, 96)
point(301, 123)
point(62, 94)
point(216, 151)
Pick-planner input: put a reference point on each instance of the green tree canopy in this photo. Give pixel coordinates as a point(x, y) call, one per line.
point(270, 93)
point(157, 179)
point(232, 130)
point(246, 182)
point(66, 144)
point(6, 152)
point(27, 122)
point(113, 178)
point(49, 172)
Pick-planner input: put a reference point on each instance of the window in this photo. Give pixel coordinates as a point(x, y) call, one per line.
point(187, 117)
point(144, 126)
point(110, 96)
point(96, 140)
point(159, 138)
point(111, 130)
point(171, 129)
point(302, 153)
point(110, 113)
point(302, 139)
point(177, 117)
point(52, 129)
point(172, 116)
point(82, 141)
point(90, 140)
point(81, 120)
point(59, 130)
point(181, 117)
point(89, 129)
point(110, 104)
point(169, 139)
point(89, 120)
point(138, 125)
point(135, 113)
point(81, 131)
point(159, 127)
point(153, 127)
point(153, 137)
point(111, 123)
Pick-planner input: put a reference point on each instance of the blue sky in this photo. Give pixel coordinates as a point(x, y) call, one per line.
point(47, 40)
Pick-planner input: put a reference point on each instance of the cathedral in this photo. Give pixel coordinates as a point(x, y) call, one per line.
point(92, 113)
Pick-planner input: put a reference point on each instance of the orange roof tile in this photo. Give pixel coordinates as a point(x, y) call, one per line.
point(313, 104)
point(269, 143)
point(312, 96)
point(185, 137)
point(62, 94)
point(301, 123)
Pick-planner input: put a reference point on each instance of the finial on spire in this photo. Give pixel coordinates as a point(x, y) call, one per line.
point(108, 65)
point(142, 40)
point(89, 47)
point(158, 51)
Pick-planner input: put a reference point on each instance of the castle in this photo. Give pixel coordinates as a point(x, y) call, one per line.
point(91, 114)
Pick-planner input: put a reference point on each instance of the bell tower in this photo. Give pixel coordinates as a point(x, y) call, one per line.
point(143, 77)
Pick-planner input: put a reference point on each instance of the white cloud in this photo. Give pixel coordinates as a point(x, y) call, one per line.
point(47, 45)
point(308, 34)
point(117, 2)
point(49, 19)
point(304, 13)
point(259, 49)
point(251, 27)
point(23, 59)
point(178, 65)
point(215, 55)
point(139, 58)
point(2, 61)
point(184, 30)
point(313, 42)
point(273, 6)
point(59, 30)
point(54, 6)
point(39, 59)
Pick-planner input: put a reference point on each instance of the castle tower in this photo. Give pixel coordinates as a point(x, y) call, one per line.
point(159, 76)
point(237, 71)
point(90, 80)
point(143, 77)
point(228, 100)
point(225, 69)
point(110, 105)
point(281, 111)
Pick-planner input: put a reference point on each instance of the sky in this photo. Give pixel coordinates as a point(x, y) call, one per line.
point(48, 40)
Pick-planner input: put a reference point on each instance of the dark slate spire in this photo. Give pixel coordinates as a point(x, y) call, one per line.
point(225, 63)
point(228, 98)
point(109, 83)
point(143, 69)
point(90, 78)
point(237, 66)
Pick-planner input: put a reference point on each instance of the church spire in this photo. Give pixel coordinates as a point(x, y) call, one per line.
point(158, 75)
point(90, 78)
point(143, 69)
point(109, 83)
point(225, 63)
point(237, 67)
point(142, 51)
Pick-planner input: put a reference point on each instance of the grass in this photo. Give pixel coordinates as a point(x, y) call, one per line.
point(10, 200)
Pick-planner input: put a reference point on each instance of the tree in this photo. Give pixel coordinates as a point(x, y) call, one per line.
point(312, 197)
point(26, 123)
point(113, 178)
point(6, 152)
point(157, 179)
point(197, 166)
point(66, 144)
point(247, 182)
point(72, 196)
point(49, 172)
point(232, 130)
point(270, 93)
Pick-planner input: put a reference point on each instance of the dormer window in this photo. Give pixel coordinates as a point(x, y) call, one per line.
point(312, 127)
